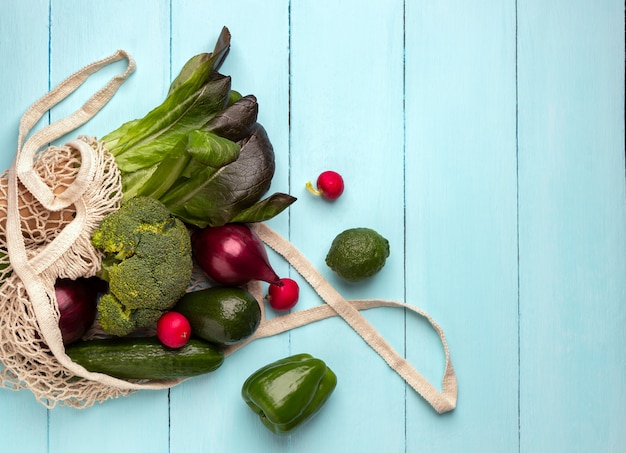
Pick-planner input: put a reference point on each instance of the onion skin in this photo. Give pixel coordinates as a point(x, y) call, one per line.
point(233, 255)
point(77, 301)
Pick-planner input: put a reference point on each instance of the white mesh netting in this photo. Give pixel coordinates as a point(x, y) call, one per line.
point(27, 360)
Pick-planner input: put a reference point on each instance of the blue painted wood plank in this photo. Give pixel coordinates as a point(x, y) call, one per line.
point(80, 34)
point(347, 116)
point(572, 224)
point(24, 43)
point(415, 103)
point(85, 32)
point(208, 413)
point(461, 222)
point(138, 422)
point(24, 32)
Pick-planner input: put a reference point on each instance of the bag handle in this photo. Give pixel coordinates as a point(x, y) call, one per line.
point(336, 305)
point(23, 169)
point(27, 150)
point(29, 270)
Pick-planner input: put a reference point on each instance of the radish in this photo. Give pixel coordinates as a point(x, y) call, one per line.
point(330, 185)
point(285, 296)
point(173, 330)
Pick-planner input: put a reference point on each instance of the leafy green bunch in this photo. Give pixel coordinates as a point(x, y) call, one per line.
point(201, 152)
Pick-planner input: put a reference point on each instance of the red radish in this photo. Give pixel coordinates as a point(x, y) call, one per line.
point(329, 185)
point(233, 255)
point(284, 297)
point(77, 301)
point(173, 329)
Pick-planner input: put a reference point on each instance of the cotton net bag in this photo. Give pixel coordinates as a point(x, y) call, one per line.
point(52, 200)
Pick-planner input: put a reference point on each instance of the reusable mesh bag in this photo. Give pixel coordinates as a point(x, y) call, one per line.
point(52, 200)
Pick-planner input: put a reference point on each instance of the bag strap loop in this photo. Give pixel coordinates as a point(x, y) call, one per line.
point(29, 270)
point(336, 305)
point(27, 150)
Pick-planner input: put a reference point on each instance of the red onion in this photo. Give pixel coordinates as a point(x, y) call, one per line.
point(233, 255)
point(77, 300)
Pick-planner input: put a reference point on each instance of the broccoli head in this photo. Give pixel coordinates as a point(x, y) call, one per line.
point(147, 263)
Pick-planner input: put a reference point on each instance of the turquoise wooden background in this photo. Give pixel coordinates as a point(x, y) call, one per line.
point(484, 139)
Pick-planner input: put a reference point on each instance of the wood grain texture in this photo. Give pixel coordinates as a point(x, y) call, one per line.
point(23, 421)
point(346, 116)
point(485, 141)
point(572, 226)
point(461, 221)
point(215, 412)
point(80, 33)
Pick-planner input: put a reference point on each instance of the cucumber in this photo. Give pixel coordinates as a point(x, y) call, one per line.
point(146, 358)
point(222, 315)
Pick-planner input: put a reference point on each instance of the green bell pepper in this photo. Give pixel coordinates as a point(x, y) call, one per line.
point(287, 392)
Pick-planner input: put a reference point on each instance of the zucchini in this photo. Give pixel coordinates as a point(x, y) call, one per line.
point(146, 358)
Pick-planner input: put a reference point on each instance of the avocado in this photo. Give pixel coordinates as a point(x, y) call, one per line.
point(221, 315)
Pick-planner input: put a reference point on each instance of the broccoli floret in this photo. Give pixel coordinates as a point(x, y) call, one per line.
point(147, 262)
point(116, 319)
